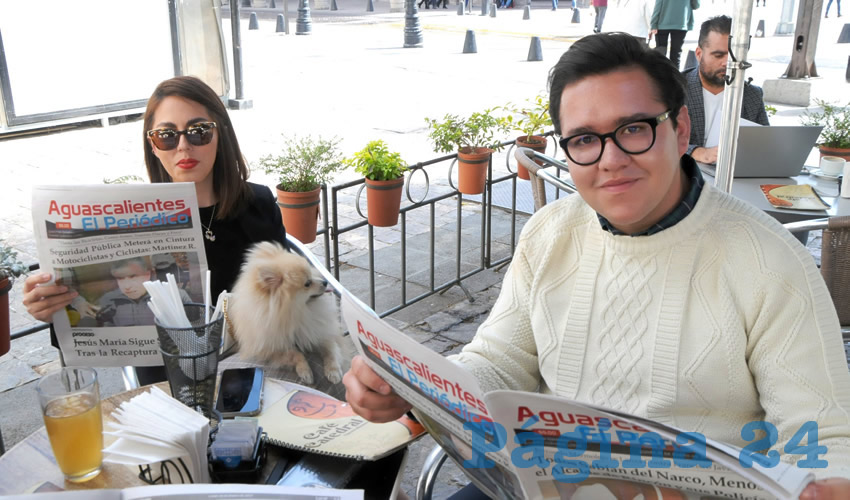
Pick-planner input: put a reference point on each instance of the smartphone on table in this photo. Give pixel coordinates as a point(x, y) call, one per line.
point(240, 392)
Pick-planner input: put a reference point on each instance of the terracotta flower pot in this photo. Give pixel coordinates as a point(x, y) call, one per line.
point(472, 169)
point(383, 200)
point(839, 152)
point(535, 142)
point(300, 212)
point(5, 341)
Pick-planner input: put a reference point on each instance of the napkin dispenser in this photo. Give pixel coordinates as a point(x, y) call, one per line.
point(224, 469)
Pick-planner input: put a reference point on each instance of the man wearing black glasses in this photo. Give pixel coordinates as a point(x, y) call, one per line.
point(652, 292)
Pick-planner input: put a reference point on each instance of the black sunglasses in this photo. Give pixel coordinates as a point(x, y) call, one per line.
point(198, 134)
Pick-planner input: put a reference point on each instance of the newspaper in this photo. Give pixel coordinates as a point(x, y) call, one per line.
point(104, 241)
point(524, 445)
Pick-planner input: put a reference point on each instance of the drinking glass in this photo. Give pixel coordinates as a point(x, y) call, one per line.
point(70, 404)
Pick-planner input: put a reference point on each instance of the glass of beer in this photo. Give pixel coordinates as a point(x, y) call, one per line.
point(70, 404)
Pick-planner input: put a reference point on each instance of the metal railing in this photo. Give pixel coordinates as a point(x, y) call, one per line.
point(335, 233)
point(31, 329)
point(332, 233)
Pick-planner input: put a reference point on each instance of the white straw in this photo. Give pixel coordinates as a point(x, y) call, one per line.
point(207, 299)
point(219, 305)
point(154, 309)
point(172, 289)
point(166, 303)
point(177, 302)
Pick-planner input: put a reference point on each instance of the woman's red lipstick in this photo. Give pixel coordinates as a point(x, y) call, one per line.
point(187, 163)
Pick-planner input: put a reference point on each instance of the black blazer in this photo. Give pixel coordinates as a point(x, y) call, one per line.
point(752, 107)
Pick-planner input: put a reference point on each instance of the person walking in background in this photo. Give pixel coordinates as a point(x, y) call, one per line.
point(600, 6)
point(829, 4)
point(671, 20)
point(554, 4)
point(632, 17)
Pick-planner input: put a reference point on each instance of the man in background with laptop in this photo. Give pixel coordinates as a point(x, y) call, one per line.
point(705, 85)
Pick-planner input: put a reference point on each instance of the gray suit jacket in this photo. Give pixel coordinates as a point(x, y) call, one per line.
point(752, 107)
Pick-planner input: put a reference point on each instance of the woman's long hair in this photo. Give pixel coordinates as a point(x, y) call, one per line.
point(230, 171)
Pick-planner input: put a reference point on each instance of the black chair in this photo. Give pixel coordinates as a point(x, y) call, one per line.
point(835, 262)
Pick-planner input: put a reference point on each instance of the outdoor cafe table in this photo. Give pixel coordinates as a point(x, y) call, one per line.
point(30, 464)
point(749, 190)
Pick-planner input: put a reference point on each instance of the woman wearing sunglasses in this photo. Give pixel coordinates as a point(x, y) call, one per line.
point(188, 137)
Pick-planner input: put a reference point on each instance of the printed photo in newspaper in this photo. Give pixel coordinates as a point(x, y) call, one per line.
point(104, 242)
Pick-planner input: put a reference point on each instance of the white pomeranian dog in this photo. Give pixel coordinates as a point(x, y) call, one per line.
point(281, 309)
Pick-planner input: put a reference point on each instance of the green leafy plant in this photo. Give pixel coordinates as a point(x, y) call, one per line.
point(376, 162)
point(532, 119)
point(305, 163)
point(479, 130)
point(770, 110)
point(10, 266)
point(835, 121)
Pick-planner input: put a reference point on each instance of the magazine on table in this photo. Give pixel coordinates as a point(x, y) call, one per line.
point(317, 423)
point(515, 444)
point(104, 241)
point(793, 196)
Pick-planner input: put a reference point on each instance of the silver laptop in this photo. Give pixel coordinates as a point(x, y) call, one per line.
point(774, 151)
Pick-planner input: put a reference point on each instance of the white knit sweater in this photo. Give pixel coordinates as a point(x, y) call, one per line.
point(718, 321)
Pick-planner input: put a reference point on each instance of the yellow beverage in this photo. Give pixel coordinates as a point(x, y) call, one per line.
point(75, 429)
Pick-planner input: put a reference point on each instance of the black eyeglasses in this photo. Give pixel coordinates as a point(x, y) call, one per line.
point(198, 134)
point(634, 138)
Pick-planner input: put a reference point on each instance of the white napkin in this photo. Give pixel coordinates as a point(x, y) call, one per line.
point(153, 427)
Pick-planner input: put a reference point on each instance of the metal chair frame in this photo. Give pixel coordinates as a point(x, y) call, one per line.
point(538, 165)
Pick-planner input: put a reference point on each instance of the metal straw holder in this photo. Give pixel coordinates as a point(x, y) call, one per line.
point(190, 356)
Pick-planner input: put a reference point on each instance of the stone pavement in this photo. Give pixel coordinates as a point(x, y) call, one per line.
point(352, 78)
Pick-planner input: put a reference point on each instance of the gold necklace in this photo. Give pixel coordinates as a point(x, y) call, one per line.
point(208, 234)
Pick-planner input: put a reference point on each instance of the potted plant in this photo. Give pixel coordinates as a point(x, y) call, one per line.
point(532, 119)
point(384, 174)
point(10, 268)
point(835, 137)
point(474, 139)
point(304, 165)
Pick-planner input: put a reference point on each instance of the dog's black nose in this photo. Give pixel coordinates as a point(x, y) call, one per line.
point(325, 283)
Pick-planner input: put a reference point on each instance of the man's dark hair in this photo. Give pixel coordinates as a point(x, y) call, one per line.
point(607, 52)
point(717, 24)
point(121, 264)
